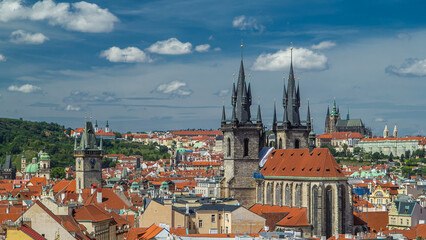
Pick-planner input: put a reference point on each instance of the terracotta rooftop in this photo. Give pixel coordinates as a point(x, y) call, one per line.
point(302, 163)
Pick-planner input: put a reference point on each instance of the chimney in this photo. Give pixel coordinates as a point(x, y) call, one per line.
point(93, 189)
point(99, 195)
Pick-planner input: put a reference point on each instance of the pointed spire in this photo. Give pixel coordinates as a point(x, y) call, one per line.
point(249, 94)
point(312, 136)
point(223, 115)
point(347, 115)
point(259, 115)
point(234, 95)
point(284, 96)
point(395, 132)
point(274, 121)
point(328, 111)
point(234, 116)
point(386, 131)
point(308, 115)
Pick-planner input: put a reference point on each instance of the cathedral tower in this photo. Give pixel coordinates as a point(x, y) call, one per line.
point(291, 132)
point(23, 162)
point(395, 132)
point(332, 118)
point(88, 159)
point(243, 139)
point(386, 132)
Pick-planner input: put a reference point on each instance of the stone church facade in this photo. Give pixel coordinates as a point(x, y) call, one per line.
point(243, 138)
point(312, 180)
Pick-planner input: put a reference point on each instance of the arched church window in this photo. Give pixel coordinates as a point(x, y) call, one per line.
point(343, 204)
point(280, 144)
point(297, 144)
point(260, 192)
point(269, 193)
point(246, 147)
point(328, 212)
point(278, 194)
point(315, 210)
point(297, 196)
point(288, 195)
point(229, 147)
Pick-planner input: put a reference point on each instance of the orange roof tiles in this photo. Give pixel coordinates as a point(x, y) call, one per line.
point(197, 133)
point(376, 221)
point(302, 163)
point(91, 213)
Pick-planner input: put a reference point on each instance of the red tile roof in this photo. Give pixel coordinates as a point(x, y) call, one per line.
point(197, 133)
point(91, 213)
point(296, 217)
point(302, 163)
point(376, 221)
point(30, 232)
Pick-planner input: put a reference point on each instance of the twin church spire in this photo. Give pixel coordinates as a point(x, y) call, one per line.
point(241, 100)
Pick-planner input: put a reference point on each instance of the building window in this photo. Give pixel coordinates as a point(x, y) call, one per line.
point(246, 147)
point(296, 144)
point(200, 223)
point(220, 216)
point(408, 222)
point(401, 221)
point(229, 147)
point(189, 225)
point(227, 219)
point(213, 218)
point(226, 230)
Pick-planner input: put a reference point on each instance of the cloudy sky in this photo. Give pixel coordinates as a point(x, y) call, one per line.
point(146, 65)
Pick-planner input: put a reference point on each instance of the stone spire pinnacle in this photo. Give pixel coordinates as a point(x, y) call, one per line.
point(386, 132)
point(88, 139)
point(223, 115)
point(274, 121)
point(243, 102)
point(259, 115)
point(291, 98)
point(328, 111)
point(308, 115)
point(312, 137)
point(347, 115)
point(395, 132)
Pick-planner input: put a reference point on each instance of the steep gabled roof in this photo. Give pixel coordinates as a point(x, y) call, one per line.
point(31, 233)
point(297, 217)
point(300, 163)
point(91, 213)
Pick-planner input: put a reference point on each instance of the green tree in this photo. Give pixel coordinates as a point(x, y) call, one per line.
point(57, 172)
point(345, 149)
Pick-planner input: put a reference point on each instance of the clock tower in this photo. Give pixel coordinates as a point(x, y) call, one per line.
point(88, 159)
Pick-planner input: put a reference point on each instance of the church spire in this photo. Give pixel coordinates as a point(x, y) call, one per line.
point(292, 97)
point(243, 101)
point(347, 115)
point(395, 132)
point(274, 121)
point(312, 136)
point(308, 115)
point(259, 115)
point(223, 115)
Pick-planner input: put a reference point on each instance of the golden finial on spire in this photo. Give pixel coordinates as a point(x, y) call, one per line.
point(291, 46)
point(242, 49)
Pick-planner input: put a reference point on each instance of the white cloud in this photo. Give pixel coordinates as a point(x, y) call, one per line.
point(202, 48)
point(323, 45)
point(222, 93)
point(2, 58)
point(379, 119)
point(26, 88)
point(217, 49)
point(130, 54)
point(79, 16)
point(303, 59)
point(411, 67)
point(72, 108)
point(176, 88)
point(21, 36)
point(171, 46)
point(244, 23)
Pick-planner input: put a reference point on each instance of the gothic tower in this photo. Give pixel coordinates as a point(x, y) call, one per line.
point(331, 119)
point(243, 139)
point(88, 159)
point(291, 132)
point(23, 162)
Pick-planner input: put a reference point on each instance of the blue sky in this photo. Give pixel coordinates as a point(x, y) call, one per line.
point(146, 65)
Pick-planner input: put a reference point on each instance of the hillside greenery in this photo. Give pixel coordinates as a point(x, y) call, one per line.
point(17, 135)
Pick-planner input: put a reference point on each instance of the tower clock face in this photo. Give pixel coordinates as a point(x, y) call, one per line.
point(92, 162)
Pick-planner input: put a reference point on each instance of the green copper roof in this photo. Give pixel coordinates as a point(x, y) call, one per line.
point(44, 156)
point(181, 149)
point(349, 123)
point(32, 168)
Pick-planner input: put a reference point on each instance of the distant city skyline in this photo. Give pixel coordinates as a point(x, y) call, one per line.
point(162, 65)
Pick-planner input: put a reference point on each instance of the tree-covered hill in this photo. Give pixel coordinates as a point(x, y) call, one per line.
point(17, 135)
